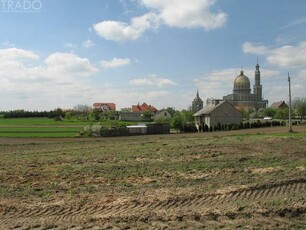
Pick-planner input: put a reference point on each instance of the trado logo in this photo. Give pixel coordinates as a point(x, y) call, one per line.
point(20, 6)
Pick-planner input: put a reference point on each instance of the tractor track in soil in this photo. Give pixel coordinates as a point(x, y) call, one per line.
point(156, 209)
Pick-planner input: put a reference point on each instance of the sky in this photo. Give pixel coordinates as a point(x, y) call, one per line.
point(63, 53)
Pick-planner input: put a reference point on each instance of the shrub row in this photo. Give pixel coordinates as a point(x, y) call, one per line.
point(226, 127)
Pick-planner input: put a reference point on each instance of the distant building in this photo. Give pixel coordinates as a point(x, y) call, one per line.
point(161, 114)
point(105, 107)
point(197, 103)
point(143, 108)
point(279, 105)
point(219, 112)
point(242, 98)
point(129, 116)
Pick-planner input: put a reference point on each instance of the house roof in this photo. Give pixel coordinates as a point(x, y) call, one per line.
point(112, 106)
point(144, 107)
point(276, 105)
point(210, 108)
point(161, 111)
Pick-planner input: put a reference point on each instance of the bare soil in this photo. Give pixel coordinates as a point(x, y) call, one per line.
point(221, 180)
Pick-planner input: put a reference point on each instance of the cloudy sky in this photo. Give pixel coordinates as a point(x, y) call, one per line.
point(61, 53)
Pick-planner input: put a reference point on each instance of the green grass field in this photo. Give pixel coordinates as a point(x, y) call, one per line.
point(40, 127)
point(45, 127)
point(40, 121)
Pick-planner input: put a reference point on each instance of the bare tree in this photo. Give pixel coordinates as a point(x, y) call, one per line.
point(82, 111)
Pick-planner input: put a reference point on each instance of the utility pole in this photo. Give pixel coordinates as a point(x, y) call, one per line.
point(290, 124)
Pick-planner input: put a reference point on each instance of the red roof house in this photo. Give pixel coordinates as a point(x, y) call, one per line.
point(105, 106)
point(279, 105)
point(144, 107)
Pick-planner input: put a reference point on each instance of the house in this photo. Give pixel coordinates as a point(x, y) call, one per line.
point(105, 107)
point(162, 114)
point(279, 105)
point(221, 112)
point(143, 108)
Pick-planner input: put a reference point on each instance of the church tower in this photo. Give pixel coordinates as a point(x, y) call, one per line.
point(257, 88)
point(197, 103)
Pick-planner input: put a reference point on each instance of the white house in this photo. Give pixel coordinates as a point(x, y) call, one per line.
point(161, 114)
point(219, 112)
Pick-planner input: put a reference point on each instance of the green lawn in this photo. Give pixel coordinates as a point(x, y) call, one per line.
point(40, 127)
point(45, 127)
point(40, 121)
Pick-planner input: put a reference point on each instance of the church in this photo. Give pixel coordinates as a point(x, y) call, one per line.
point(197, 103)
point(242, 98)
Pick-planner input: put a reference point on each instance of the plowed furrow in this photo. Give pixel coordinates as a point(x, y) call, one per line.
point(177, 203)
point(99, 211)
point(200, 202)
point(121, 209)
point(31, 212)
point(67, 211)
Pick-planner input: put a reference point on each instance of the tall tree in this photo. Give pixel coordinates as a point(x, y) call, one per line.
point(299, 105)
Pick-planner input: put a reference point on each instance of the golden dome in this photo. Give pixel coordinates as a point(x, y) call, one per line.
point(242, 80)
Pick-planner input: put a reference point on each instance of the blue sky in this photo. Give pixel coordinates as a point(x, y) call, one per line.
point(64, 53)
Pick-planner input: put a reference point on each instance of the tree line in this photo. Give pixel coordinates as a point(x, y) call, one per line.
point(180, 119)
point(20, 113)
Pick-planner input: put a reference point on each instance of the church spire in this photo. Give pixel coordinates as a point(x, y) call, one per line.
point(257, 88)
point(197, 103)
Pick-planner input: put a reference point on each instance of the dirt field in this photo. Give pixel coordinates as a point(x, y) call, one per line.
point(224, 180)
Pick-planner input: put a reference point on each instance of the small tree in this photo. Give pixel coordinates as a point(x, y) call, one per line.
point(94, 114)
point(188, 115)
point(178, 121)
point(126, 110)
point(269, 112)
point(171, 111)
point(147, 115)
point(282, 113)
point(82, 111)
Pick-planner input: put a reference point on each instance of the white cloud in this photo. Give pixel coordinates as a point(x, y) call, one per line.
point(17, 54)
point(251, 48)
point(187, 14)
point(288, 56)
point(157, 95)
point(88, 44)
point(152, 81)
point(69, 45)
point(174, 13)
point(31, 83)
point(296, 22)
point(120, 31)
point(69, 64)
point(302, 74)
point(217, 83)
point(8, 44)
point(284, 56)
point(115, 63)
